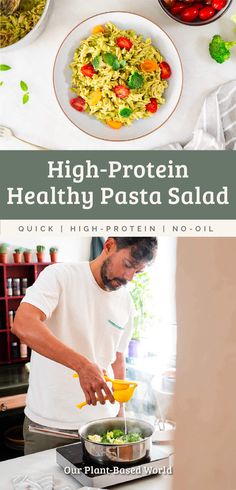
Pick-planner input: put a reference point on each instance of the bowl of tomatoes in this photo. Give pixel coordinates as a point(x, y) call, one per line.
point(195, 12)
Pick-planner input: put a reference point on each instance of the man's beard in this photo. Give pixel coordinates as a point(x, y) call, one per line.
point(113, 283)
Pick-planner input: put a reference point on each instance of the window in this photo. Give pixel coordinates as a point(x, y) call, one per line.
point(152, 349)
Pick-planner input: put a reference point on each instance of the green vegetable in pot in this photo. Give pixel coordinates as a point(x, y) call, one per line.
point(220, 49)
point(116, 436)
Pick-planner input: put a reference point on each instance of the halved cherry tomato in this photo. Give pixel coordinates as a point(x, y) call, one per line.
point(218, 4)
point(98, 29)
point(124, 42)
point(94, 97)
point(78, 103)
point(88, 70)
point(114, 124)
point(149, 66)
point(177, 8)
point(165, 69)
point(206, 13)
point(152, 106)
point(189, 14)
point(121, 91)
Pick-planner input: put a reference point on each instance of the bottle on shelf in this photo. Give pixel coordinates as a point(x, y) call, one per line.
point(23, 351)
point(9, 287)
point(24, 285)
point(16, 287)
point(14, 349)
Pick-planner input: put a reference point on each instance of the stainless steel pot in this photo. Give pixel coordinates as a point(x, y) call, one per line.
point(35, 32)
point(116, 453)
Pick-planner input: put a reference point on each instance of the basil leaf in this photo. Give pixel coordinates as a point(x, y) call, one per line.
point(116, 65)
point(24, 86)
point(96, 62)
point(135, 80)
point(122, 63)
point(25, 98)
point(5, 67)
point(126, 112)
point(109, 58)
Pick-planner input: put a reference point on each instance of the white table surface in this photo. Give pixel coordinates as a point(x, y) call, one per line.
point(44, 463)
point(41, 120)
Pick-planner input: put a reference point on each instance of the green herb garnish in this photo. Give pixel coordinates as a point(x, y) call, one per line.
point(5, 67)
point(96, 62)
point(122, 63)
point(109, 58)
point(25, 98)
point(126, 112)
point(24, 86)
point(135, 80)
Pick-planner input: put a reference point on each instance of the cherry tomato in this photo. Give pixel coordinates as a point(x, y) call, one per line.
point(206, 13)
point(78, 104)
point(177, 8)
point(124, 42)
point(121, 91)
point(165, 70)
point(152, 106)
point(149, 66)
point(98, 29)
point(88, 70)
point(94, 97)
point(198, 6)
point(218, 4)
point(114, 124)
point(189, 14)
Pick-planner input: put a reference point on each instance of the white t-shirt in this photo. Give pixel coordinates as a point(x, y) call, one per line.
point(94, 322)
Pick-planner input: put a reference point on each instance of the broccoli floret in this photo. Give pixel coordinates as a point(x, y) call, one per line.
point(220, 49)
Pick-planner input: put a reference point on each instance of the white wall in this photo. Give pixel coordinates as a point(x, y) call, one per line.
point(71, 249)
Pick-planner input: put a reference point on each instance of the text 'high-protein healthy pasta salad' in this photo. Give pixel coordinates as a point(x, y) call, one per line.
point(118, 76)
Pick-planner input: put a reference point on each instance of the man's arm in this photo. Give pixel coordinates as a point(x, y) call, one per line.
point(118, 368)
point(29, 326)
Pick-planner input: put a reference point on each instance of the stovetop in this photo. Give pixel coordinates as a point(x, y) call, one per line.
point(72, 460)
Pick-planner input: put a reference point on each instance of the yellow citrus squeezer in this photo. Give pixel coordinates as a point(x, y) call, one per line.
point(123, 389)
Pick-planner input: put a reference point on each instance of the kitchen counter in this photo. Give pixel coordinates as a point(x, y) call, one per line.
point(44, 463)
point(41, 120)
point(13, 380)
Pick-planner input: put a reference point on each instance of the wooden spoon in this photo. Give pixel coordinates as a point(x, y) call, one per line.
point(8, 7)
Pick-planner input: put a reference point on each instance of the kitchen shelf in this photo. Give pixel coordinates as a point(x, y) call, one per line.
point(15, 297)
point(11, 303)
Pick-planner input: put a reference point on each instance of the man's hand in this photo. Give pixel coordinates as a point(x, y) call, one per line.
point(93, 384)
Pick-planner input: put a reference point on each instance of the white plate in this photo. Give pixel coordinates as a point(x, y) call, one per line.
point(62, 76)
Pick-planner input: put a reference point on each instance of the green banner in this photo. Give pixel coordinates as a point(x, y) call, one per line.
point(117, 185)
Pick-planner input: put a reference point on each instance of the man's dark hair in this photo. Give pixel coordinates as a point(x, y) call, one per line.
point(143, 249)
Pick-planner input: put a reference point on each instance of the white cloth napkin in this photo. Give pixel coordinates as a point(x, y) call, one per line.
point(36, 482)
point(216, 125)
point(26, 482)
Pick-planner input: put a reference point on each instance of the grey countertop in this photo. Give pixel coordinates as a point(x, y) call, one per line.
point(44, 463)
point(13, 380)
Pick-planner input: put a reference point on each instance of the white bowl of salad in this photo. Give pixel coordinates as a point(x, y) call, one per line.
point(117, 76)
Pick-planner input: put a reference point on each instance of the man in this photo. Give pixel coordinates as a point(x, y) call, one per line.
point(78, 318)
